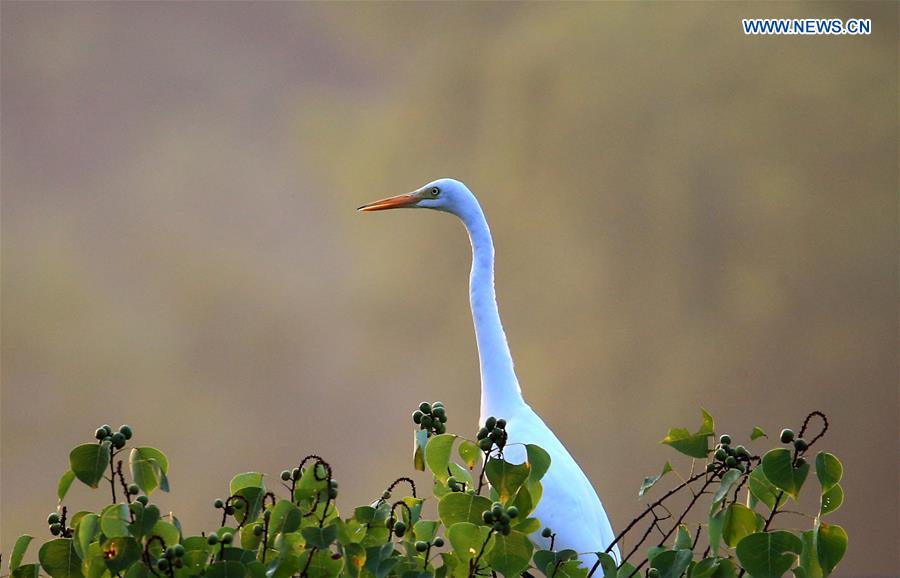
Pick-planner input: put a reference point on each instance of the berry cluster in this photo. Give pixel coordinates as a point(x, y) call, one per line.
point(500, 518)
point(219, 504)
point(57, 525)
point(105, 433)
point(493, 433)
point(787, 437)
point(431, 417)
point(226, 539)
point(731, 457)
point(455, 484)
point(172, 557)
point(287, 475)
point(423, 546)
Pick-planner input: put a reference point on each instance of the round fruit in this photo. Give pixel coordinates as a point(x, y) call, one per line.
point(482, 433)
point(107, 429)
point(730, 461)
point(212, 540)
point(490, 422)
point(126, 431)
point(332, 493)
point(486, 444)
point(162, 564)
point(56, 528)
point(440, 428)
point(257, 530)
point(741, 451)
point(421, 546)
point(487, 516)
point(800, 444)
point(218, 503)
point(169, 553)
point(178, 549)
point(721, 454)
point(710, 466)
point(787, 436)
point(285, 475)
point(229, 510)
point(652, 573)
point(399, 528)
point(100, 433)
point(506, 530)
point(546, 532)
point(227, 538)
point(417, 416)
point(386, 495)
point(725, 439)
point(53, 518)
point(178, 563)
point(295, 474)
point(425, 407)
point(438, 542)
point(267, 514)
point(438, 412)
point(143, 500)
point(134, 490)
point(501, 423)
point(427, 421)
point(801, 462)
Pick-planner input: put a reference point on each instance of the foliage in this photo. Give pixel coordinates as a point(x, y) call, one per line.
point(483, 526)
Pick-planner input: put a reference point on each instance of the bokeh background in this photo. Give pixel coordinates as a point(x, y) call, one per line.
point(684, 216)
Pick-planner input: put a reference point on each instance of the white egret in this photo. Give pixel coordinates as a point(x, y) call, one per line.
point(569, 506)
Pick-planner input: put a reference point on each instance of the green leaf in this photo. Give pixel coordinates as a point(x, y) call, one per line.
point(226, 569)
point(570, 569)
point(114, 520)
point(831, 544)
point(510, 555)
point(778, 466)
point(137, 571)
point(18, 551)
point(196, 553)
point(421, 440)
point(26, 571)
point(829, 470)
point(437, 455)
point(738, 521)
point(683, 539)
point(59, 559)
point(89, 462)
point(461, 507)
point(607, 564)
point(725, 569)
point(425, 530)
point(832, 499)
point(769, 554)
point(469, 453)
point(672, 563)
point(506, 478)
point(695, 445)
point(120, 553)
point(704, 568)
point(168, 532)
point(716, 521)
point(149, 468)
point(320, 537)
point(809, 558)
point(467, 539)
point(757, 433)
point(650, 481)
point(728, 480)
point(246, 480)
point(144, 520)
point(65, 482)
point(763, 490)
point(85, 531)
point(539, 460)
point(356, 559)
point(285, 517)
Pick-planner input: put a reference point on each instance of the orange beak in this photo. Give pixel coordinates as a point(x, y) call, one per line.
point(398, 202)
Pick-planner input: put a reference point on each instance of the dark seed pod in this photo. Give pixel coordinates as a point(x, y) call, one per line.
point(107, 429)
point(425, 407)
point(787, 436)
point(295, 473)
point(332, 493)
point(178, 549)
point(486, 444)
point(482, 433)
point(505, 530)
point(501, 423)
point(421, 546)
point(725, 439)
point(490, 422)
point(218, 503)
point(100, 433)
point(512, 511)
point(417, 416)
point(438, 542)
point(126, 431)
point(55, 528)
point(53, 518)
point(546, 532)
point(800, 445)
point(721, 454)
point(285, 475)
point(143, 500)
point(229, 510)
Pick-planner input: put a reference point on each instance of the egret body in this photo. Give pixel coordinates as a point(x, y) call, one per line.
point(569, 505)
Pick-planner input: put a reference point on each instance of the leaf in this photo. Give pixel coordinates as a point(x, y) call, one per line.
point(120, 553)
point(65, 482)
point(320, 537)
point(716, 521)
point(832, 499)
point(59, 559)
point(425, 530)
point(650, 481)
point(437, 455)
point(510, 554)
point(738, 521)
point(246, 480)
point(769, 554)
point(468, 453)
point(778, 466)
point(570, 569)
point(506, 478)
point(829, 470)
point(226, 569)
point(89, 462)
point(694, 445)
point(419, 443)
point(196, 553)
point(728, 480)
point(539, 460)
point(356, 559)
point(149, 468)
point(85, 531)
point(169, 533)
point(467, 539)
point(460, 507)
point(809, 558)
point(683, 539)
point(763, 490)
point(672, 563)
point(285, 517)
point(757, 433)
point(144, 520)
point(608, 564)
point(18, 551)
point(26, 571)
point(831, 544)
point(704, 568)
point(114, 520)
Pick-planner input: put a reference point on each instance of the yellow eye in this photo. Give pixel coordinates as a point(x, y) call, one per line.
point(435, 191)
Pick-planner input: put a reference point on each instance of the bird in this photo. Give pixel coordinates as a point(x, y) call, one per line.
point(569, 504)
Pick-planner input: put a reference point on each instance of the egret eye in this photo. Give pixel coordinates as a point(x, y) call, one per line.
point(435, 191)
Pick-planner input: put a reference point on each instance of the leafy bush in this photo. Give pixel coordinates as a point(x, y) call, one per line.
point(292, 527)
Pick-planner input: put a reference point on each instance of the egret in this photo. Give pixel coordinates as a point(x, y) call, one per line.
point(569, 505)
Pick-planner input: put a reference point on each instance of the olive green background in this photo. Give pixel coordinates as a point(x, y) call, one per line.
point(684, 216)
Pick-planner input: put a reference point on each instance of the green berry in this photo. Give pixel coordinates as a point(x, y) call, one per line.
point(506, 530)
point(417, 417)
point(178, 549)
point(332, 493)
point(178, 563)
point(497, 508)
point(501, 423)
point(546, 532)
point(800, 445)
point(800, 462)
point(267, 514)
point(652, 573)
point(425, 407)
point(143, 500)
point(438, 412)
point(100, 433)
point(295, 474)
point(118, 440)
point(107, 429)
point(730, 461)
point(438, 542)
point(162, 564)
point(482, 433)
point(126, 431)
point(437, 404)
point(725, 439)
point(487, 516)
point(512, 511)
point(257, 530)
point(55, 528)
point(721, 454)
point(710, 466)
point(486, 444)
point(741, 451)
point(227, 538)
point(218, 504)
point(53, 518)
point(399, 527)
point(212, 540)
point(490, 422)
point(134, 490)
point(421, 546)
point(787, 436)
point(169, 553)
point(386, 495)
point(440, 428)
point(229, 510)
point(389, 523)
point(505, 519)
point(285, 475)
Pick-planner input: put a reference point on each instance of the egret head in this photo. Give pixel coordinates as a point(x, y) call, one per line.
point(446, 195)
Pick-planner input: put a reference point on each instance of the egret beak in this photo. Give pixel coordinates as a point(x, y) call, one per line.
point(398, 202)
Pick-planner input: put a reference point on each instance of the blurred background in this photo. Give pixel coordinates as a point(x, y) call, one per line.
point(684, 216)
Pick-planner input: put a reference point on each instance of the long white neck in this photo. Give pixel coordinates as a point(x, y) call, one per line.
point(500, 392)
